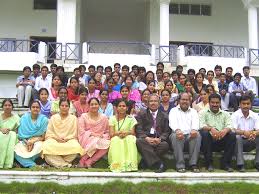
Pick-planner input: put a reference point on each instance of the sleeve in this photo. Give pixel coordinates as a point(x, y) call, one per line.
point(256, 126)
point(254, 89)
point(50, 130)
point(228, 121)
point(195, 120)
point(173, 120)
point(133, 123)
point(18, 79)
point(234, 120)
point(112, 121)
point(139, 128)
point(37, 84)
point(230, 88)
point(166, 132)
point(203, 119)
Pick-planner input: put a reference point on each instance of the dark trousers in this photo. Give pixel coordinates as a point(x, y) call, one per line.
point(209, 145)
point(151, 153)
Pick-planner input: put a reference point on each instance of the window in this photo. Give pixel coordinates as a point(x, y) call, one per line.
point(45, 4)
point(190, 9)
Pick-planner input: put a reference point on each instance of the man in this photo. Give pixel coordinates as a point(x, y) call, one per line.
point(210, 80)
point(179, 70)
point(236, 90)
point(246, 124)
point(141, 75)
point(83, 75)
point(100, 69)
point(229, 77)
point(160, 65)
point(217, 71)
point(43, 81)
point(249, 82)
point(108, 73)
point(216, 134)
point(117, 67)
point(135, 68)
point(53, 70)
point(35, 71)
point(152, 132)
point(124, 73)
point(77, 74)
point(174, 77)
point(91, 70)
point(24, 86)
point(184, 122)
point(223, 91)
point(203, 71)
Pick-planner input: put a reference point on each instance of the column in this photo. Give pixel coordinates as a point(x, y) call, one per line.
point(252, 27)
point(164, 22)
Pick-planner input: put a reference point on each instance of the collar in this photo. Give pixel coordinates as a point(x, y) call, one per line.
point(153, 112)
point(179, 108)
point(242, 115)
point(220, 111)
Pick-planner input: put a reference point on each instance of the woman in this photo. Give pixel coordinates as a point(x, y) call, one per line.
point(73, 89)
point(98, 78)
point(61, 146)
point(92, 91)
point(62, 95)
point(189, 89)
point(166, 105)
point(135, 85)
point(8, 126)
point(116, 79)
point(112, 94)
point(143, 105)
point(45, 104)
point(199, 85)
point(81, 106)
point(149, 76)
point(31, 132)
point(105, 108)
point(151, 86)
point(93, 134)
point(134, 94)
point(123, 154)
point(124, 92)
point(180, 85)
point(169, 85)
point(204, 104)
point(56, 84)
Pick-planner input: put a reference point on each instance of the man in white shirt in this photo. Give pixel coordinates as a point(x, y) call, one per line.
point(43, 81)
point(184, 122)
point(246, 125)
point(249, 82)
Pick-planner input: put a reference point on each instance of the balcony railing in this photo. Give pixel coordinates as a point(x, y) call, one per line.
point(15, 45)
point(253, 56)
point(167, 54)
point(214, 50)
point(119, 47)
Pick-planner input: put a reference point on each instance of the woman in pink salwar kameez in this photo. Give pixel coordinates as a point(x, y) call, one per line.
point(93, 134)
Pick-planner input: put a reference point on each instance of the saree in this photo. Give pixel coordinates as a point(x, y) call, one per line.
point(8, 141)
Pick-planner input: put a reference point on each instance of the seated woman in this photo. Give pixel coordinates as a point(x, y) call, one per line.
point(204, 104)
point(151, 86)
point(123, 154)
point(45, 104)
point(93, 134)
point(199, 85)
point(31, 132)
point(61, 146)
point(112, 94)
point(92, 91)
point(125, 95)
point(73, 89)
point(169, 85)
point(98, 78)
point(62, 95)
point(105, 107)
point(166, 105)
point(135, 84)
point(81, 105)
point(8, 126)
point(56, 84)
point(189, 89)
point(134, 94)
point(144, 101)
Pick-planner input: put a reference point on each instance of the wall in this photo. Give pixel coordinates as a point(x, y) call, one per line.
point(18, 19)
point(121, 20)
point(227, 25)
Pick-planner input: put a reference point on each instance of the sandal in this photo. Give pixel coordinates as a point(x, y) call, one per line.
point(181, 170)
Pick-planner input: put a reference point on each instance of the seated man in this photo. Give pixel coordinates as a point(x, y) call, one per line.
point(184, 122)
point(152, 132)
point(236, 90)
point(43, 81)
point(24, 86)
point(249, 83)
point(216, 133)
point(223, 91)
point(246, 124)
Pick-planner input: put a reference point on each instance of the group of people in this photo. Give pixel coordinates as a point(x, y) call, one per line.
point(134, 117)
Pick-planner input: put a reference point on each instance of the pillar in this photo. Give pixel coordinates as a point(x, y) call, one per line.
point(252, 27)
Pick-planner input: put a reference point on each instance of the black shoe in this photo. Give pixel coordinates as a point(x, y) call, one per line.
point(195, 169)
point(228, 169)
point(142, 164)
point(161, 168)
point(210, 168)
point(241, 168)
point(181, 170)
point(257, 166)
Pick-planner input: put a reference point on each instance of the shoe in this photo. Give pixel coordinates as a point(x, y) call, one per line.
point(228, 169)
point(210, 168)
point(181, 170)
point(161, 168)
point(195, 169)
point(142, 164)
point(241, 168)
point(257, 166)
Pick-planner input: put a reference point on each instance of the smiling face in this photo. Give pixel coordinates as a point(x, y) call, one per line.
point(7, 107)
point(214, 104)
point(93, 106)
point(122, 108)
point(245, 106)
point(151, 86)
point(124, 93)
point(116, 77)
point(44, 96)
point(62, 94)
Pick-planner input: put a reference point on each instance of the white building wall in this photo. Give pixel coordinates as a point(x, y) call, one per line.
point(228, 24)
point(18, 19)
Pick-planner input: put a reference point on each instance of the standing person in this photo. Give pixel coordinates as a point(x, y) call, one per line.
point(184, 122)
point(117, 67)
point(43, 81)
point(9, 123)
point(105, 107)
point(73, 89)
point(83, 75)
point(24, 85)
point(31, 133)
point(202, 71)
point(81, 105)
point(160, 66)
point(45, 104)
point(199, 85)
point(216, 134)
point(174, 77)
point(123, 154)
point(93, 134)
point(61, 146)
point(218, 71)
point(124, 72)
point(246, 125)
point(210, 80)
point(166, 105)
point(152, 132)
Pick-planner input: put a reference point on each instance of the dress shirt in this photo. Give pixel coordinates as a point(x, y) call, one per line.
point(22, 79)
point(249, 83)
point(247, 124)
point(43, 83)
point(214, 83)
point(185, 121)
point(236, 86)
point(219, 120)
point(223, 86)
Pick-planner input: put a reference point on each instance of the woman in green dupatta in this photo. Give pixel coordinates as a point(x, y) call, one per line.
point(8, 138)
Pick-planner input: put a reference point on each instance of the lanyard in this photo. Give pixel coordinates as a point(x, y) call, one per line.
point(119, 127)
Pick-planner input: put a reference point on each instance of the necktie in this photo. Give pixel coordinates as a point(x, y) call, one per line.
point(154, 120)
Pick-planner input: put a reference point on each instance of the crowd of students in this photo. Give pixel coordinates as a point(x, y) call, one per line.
point(134, 116)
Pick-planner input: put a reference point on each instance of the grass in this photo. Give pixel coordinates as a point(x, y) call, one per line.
point(126, 187)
